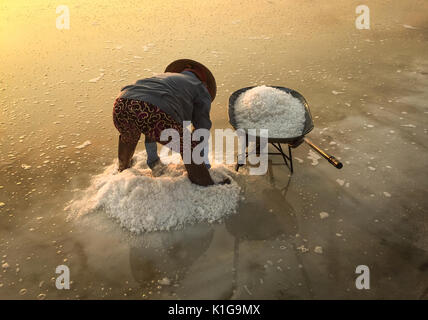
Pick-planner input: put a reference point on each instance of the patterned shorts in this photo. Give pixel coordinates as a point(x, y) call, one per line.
point(133, 118)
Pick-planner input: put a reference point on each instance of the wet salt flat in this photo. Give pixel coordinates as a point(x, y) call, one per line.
point(293, 236)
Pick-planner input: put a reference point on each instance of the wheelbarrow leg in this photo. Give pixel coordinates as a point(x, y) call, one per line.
point(290, 158)
point(238, 164)
point(284, 156)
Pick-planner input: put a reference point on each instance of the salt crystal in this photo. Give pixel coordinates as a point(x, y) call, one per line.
point(324, 215)
point(298, 159)
point(41, 296)
point(409, 26)
point(248, 291)
point(97, 78)
point(164, 282)
point(84, 144)
point(318, 249)
point(340, 182)
point(302, 249)
point(312, 155)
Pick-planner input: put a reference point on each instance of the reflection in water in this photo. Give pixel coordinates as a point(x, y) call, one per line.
point(45, 117)
point(168, 254)
point(254, 223)
point(171, 255)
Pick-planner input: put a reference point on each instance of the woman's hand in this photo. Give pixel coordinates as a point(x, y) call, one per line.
point(199, 174)
point(225, 181)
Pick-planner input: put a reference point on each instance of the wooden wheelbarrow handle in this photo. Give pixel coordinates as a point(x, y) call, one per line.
point(336, 163)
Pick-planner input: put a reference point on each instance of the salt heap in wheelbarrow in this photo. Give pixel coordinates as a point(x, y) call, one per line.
point(270, 108)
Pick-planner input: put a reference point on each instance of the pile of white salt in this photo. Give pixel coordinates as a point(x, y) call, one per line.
point(270, 108)
point(140, 202)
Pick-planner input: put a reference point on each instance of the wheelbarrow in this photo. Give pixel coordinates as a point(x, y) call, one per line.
point(292, 142)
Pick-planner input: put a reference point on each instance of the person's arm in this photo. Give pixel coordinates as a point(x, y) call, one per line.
point(199, 174)
point(201, 112)
point(201, 120)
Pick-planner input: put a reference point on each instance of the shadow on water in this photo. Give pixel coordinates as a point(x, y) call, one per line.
point(265, 215)
point(168, 254)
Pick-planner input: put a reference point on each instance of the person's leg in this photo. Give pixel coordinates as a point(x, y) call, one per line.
point(129, 133)
point(152, 152)
point(126, 151)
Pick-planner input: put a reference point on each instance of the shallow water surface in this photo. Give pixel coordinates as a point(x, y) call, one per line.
point(367, 90)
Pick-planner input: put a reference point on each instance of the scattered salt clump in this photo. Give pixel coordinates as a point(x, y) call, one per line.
point(97, 78)
point(302, 249)
point(409, 26)
point(164, 282)
point(84, 144)
point(340, 182)
point(312, 155)
point(318, 249)
point(324, 215)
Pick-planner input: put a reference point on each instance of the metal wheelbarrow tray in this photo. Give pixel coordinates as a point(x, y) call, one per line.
point(292, 142)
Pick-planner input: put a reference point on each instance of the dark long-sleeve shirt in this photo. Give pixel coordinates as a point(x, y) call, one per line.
point(181, 95)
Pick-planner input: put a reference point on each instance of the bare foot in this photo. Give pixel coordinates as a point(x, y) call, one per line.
point(158, 169)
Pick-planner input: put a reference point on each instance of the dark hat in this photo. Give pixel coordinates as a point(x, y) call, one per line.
point(179, 65)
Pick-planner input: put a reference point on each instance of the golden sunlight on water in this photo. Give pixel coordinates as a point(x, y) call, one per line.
point(57, 89)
